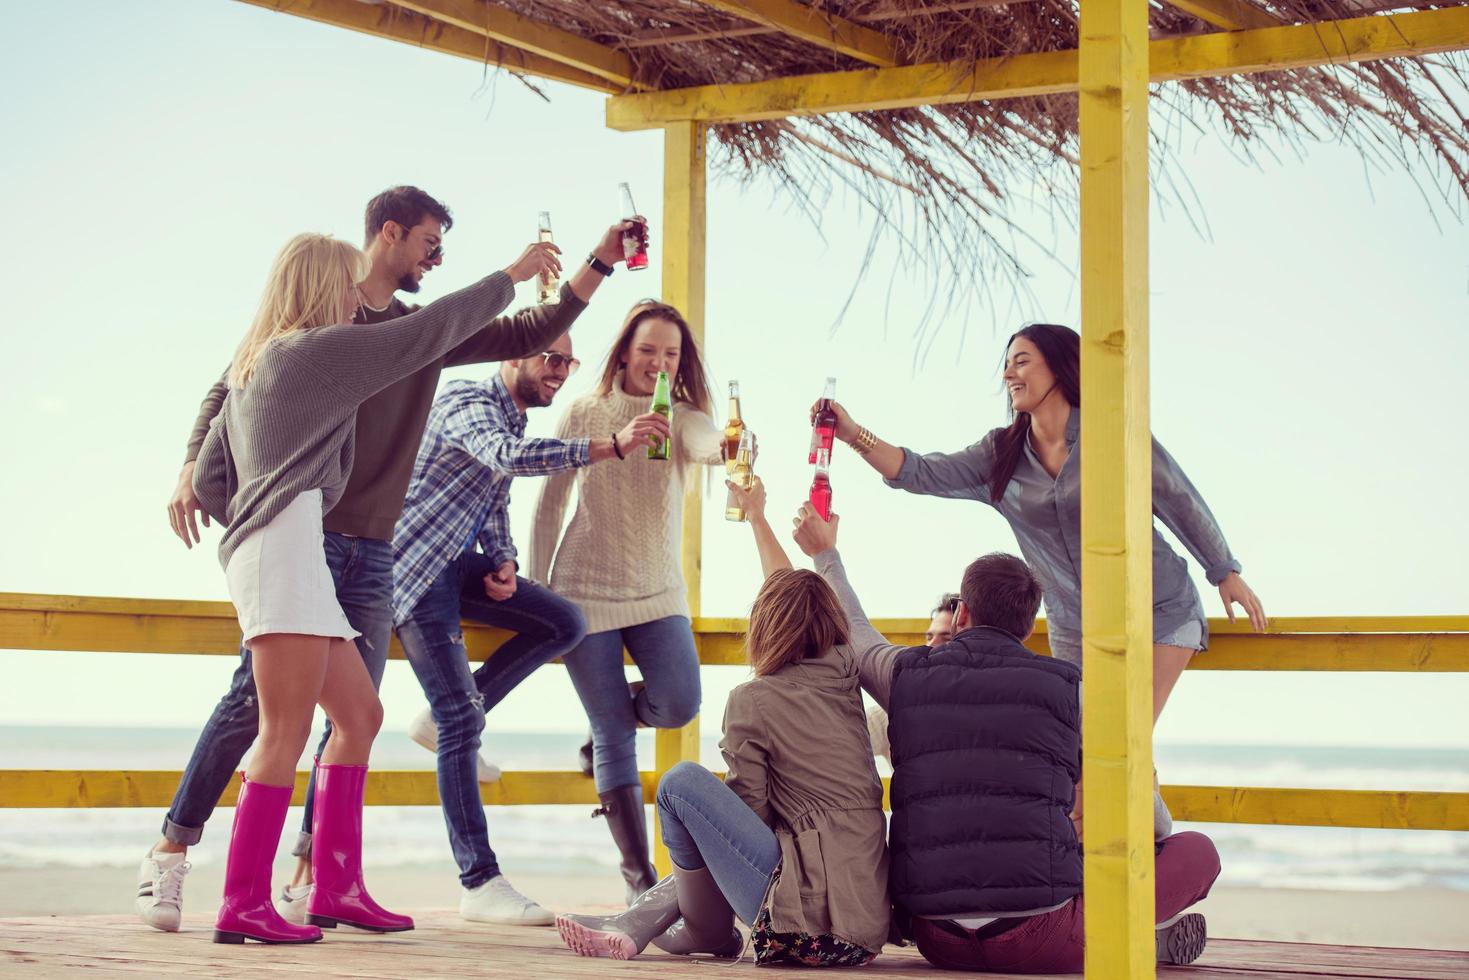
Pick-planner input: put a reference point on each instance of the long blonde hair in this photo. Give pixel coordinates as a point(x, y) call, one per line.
point(306, 287)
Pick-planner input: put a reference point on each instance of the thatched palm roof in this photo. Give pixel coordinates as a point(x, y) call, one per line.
point(943, 174)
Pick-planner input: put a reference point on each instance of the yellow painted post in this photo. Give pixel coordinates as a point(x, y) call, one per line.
point(682, 239)
point(1116, 508)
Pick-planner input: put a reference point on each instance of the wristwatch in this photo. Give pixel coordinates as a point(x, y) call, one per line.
point(598, 264)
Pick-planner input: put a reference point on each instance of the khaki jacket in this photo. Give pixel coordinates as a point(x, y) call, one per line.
point(798, 754)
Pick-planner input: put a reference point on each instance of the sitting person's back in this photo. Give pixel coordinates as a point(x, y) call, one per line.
point(795, 742)
point(986, 742)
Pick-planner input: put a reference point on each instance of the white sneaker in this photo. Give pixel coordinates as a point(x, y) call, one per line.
point(423, 731)
point(161, 890)
point(292, 903)
point(497, 901)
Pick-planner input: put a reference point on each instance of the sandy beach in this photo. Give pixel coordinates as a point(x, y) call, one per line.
point(1411, 918)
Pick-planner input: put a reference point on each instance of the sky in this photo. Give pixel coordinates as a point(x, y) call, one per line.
point(1309, 327)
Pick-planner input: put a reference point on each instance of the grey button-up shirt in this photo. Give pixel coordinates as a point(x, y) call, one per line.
point(1045, 515)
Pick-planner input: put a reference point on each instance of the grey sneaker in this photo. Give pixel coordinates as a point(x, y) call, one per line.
point(1181, 940)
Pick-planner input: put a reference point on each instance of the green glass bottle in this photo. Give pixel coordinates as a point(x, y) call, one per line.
point(663, 405)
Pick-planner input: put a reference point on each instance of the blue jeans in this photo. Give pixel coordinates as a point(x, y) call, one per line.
point(545, 625)
point(665, 655)
point(706, 825)
point(362, 569)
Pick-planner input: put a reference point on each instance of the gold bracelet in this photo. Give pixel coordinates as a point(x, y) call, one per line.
point(865, 441)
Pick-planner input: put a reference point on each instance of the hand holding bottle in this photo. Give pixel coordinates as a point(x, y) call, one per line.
point(648, 429)
point(812, 534)
point(609, 247)
point(539, 258)
point(751, 499)
point(846, 429)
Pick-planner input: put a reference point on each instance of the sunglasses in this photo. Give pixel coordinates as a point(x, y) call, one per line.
point(434, 254)
point(556, 362)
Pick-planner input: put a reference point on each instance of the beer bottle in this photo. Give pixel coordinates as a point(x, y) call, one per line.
point(663, 405)
point(741, 473)
point(824, 423)
point(548, 288)
point(634, 240)
point(734, 427)
point(821, 486)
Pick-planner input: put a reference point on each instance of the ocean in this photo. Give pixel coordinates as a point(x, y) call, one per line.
point(564, 840)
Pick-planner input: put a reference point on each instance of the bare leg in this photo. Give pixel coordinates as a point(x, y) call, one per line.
point(1168, 665)
point(290, 670)
point(351, 701)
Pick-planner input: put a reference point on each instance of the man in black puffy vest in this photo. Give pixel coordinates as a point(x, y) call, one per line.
point(986, 743)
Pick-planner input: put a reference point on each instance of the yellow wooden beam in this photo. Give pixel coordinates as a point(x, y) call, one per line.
point(508, 27)
point(1319, 807)
point(395, 24)
point(100, 624)
point(1116, 492)
point(814, 26)
point(1414, 34)
point(100, 788)
point(1232, 15)
point(682, 247)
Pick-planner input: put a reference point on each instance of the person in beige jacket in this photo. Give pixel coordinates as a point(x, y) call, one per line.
point(794, 840)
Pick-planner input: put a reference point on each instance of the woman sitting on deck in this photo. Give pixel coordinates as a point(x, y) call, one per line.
point(794, 840)
point(277, 457)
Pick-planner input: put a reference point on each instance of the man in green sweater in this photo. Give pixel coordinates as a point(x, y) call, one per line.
point(405, 228)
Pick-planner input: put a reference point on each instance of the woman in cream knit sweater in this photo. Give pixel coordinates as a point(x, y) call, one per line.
point(619, 561)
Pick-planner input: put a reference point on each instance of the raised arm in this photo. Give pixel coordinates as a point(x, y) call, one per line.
point(875, 655)
point(772, 555)
point(962, 475)
point(695, 436)
point(1182, 510)
point(473, 426)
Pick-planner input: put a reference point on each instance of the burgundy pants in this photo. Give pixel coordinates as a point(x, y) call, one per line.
point(1185, 868)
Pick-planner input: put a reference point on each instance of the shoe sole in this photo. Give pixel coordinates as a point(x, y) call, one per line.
point(160, 926)
point(1184, 941)
point(586, 941)
point(504, 920)
point(329, 922)
point(240, 937)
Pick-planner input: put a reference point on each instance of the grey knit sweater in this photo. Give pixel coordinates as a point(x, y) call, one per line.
point(291, 428)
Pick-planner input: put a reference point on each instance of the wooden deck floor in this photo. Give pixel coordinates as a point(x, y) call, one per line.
point(445, 946)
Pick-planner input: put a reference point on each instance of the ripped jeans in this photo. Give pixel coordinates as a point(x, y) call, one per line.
point(362, 569)
point(545, 626)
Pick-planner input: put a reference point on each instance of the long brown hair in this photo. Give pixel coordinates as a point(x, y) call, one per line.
point(1061, 348)
point(691, 384)
point(795, 616)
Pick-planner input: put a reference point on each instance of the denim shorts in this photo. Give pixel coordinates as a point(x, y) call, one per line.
point(1189, 636)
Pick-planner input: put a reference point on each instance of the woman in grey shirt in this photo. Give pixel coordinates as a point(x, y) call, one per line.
point(1031, 473)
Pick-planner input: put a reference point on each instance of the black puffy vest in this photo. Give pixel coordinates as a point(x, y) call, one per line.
point(986, 741)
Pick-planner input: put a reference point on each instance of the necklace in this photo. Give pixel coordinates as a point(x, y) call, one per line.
point(375, 309)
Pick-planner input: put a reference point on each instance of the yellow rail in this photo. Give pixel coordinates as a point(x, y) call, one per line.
point(1336, 643)
point(100, 788)
point(1332, 643)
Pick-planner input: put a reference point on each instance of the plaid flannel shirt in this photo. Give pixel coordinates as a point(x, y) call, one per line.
point(473, 445)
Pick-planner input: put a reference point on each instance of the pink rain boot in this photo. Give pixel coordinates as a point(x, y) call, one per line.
point(338, 894)
point(247, 912)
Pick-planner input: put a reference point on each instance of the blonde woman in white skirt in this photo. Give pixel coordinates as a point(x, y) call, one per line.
point(277, 458)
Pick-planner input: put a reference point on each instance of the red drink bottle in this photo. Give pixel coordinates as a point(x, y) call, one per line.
point(635, 239)
point(824, 424)
point(821, 486)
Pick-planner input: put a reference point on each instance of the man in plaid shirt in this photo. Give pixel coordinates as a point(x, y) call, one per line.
point(473, 446)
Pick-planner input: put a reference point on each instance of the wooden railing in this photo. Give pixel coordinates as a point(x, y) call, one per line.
point(1432, 644)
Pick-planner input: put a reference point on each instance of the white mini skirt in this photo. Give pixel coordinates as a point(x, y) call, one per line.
point(279, 580)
